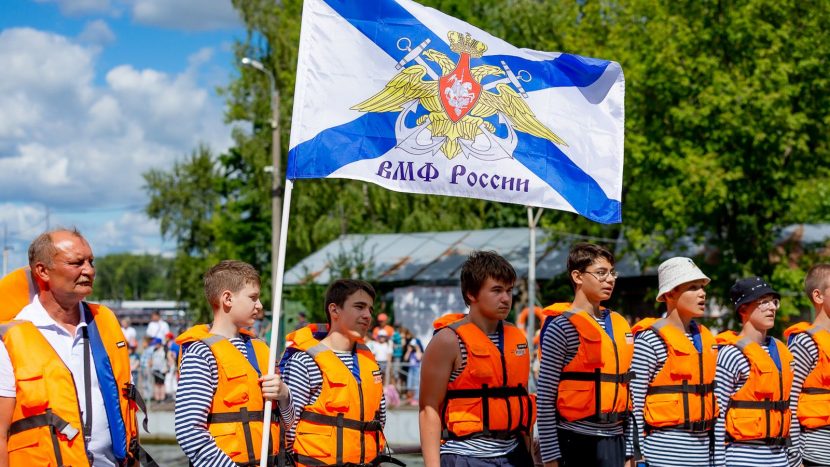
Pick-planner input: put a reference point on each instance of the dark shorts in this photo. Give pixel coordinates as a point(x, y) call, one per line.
point(158, 377)
point(519, 457)
point(580, 450)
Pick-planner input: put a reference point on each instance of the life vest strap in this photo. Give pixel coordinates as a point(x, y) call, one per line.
point(768, 405)
point(237, 417)
point(132, 393)
point(815, 391)
point(485, 393)
point(700, 389)
point(502, 392)
point(699, 426)
point(782, 441)
point(341, 422)
point(45, 419)
point(622, 378)
point(381, 459)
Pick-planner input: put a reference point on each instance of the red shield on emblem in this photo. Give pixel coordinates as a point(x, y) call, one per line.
point(459, 91)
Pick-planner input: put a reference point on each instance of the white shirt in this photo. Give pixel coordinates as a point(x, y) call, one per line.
point(158, 329)
point(381, 350)
point(130, 335)
point(71, 350)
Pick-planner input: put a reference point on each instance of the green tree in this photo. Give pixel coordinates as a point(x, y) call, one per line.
point(125, 276)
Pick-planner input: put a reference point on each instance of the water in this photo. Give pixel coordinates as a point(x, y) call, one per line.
point(170, 455)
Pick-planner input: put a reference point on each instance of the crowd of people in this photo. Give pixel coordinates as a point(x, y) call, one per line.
point(663, 392)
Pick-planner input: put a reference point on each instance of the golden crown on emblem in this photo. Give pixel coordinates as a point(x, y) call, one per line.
point(465, 44)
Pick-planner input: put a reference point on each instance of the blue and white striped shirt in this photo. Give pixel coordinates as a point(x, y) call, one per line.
point(813, 445)
point(662, 446)
point(304, 379)
point(560, 344)
point(194, 396)
point(732, 372)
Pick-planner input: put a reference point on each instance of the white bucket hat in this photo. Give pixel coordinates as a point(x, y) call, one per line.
point(676, 271)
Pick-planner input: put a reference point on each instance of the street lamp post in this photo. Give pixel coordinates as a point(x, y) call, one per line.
point(276, 187)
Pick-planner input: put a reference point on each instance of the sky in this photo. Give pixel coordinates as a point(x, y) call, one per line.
point(93, 93)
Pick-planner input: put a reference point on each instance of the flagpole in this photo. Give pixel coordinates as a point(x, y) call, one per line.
point(531, 283)
point(275, 318)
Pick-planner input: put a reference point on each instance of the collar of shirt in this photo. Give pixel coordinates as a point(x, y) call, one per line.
point(37, 315)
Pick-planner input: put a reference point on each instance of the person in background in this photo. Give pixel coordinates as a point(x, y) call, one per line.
point(157, 327)
point(158, 368)
point(398, 377)
point(382, 325)
point(145, 376)
point(382, 350)
point(129, 333)
point(412, 356)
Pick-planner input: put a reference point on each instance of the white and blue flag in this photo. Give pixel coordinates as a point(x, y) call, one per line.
point(403, 96)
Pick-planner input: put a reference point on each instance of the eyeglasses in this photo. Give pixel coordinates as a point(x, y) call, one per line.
point(602, 275)
point(770, 301)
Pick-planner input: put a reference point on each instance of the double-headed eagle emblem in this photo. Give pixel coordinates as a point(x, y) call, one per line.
point(457, 104)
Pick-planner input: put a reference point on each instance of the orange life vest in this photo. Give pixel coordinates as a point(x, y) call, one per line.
point(682, 393)
point(489, 397)
point(594, 384)
point(237, 410)
point(47, 428)
point(17, 289)
point(814, 401)
point(343, 425)
point(760, 409)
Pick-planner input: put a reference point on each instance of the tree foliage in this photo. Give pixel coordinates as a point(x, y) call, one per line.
point(726, 137)
point(125, 276)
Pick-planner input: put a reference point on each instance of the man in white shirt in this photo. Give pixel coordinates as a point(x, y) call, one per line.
point(129, 332)
point(157, 328)
point(62, 264)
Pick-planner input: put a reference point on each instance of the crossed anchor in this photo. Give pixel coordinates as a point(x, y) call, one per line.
point(405, 45)
point(418, 140)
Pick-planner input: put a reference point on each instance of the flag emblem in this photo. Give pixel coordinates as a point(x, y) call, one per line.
point(462, 116)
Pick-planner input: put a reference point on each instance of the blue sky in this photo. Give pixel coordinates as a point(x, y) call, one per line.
point(96, 92)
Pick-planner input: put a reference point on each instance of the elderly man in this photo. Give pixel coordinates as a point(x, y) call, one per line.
point(65, 391)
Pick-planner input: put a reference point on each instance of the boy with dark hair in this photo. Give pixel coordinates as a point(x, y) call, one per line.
point(475, 408)
point(583, 394)
point(810, 346)
point(336, 384)
point(753, 378)
point(224, 376)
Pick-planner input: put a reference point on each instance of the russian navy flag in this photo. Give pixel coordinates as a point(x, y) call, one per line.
point(394, 93)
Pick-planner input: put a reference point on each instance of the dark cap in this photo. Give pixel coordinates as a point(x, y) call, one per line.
point(750, 289)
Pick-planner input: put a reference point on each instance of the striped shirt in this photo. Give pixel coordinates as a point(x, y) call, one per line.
point(194, 396)
point(814, 445)
point(304, 379)
point(477, 447)
point(661, 446)
point(732, 371)
point(559, 346)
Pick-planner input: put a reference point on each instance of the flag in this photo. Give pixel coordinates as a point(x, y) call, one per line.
point(406, 97)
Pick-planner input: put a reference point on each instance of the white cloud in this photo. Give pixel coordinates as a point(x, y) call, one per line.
point(81, 146)
point(97, 33)
point(81, 7)
point(192, 15)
